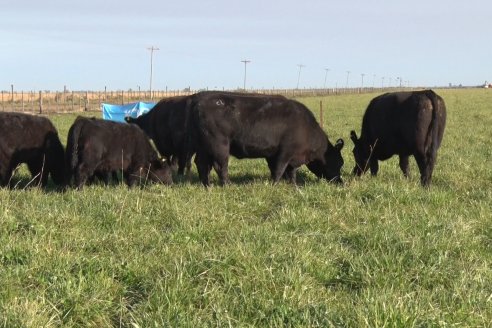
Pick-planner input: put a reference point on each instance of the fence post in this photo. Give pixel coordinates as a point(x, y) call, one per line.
point(86, 102)
point(321, 113)
point(64, 98)
point(40, 102)
point(48, 105)
point(12, 93)
point(72, 101)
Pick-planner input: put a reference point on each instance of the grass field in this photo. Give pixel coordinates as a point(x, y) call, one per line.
point(376, 252)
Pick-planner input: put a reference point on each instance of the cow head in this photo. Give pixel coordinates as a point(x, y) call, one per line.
point(144, 122)
point(334, 162)
point(330, 167)
point(361, 155)
point(160, 172)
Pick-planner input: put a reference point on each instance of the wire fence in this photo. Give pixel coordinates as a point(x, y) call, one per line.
point(45, 102)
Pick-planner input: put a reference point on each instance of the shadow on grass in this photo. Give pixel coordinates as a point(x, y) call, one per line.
point(244, 178)
point(24, 182)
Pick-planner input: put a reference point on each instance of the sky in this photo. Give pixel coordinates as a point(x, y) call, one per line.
point(93, 44)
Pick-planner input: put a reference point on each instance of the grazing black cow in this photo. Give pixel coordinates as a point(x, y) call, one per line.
point(282, 131)
point(32, 140)
point(166, 124)
point(97, 148)
point(404, 124)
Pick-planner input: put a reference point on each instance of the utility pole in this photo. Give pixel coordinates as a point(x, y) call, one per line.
point(245, 63)
point(326, 75)
point(152, 49)
point(346, 82)
point(299, 75)
point(373, 80)
point(362, 82)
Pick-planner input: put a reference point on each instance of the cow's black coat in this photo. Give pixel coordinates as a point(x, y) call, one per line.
point(282, 131)
point(404, 124)
point(97, 147)
point(32, 140)
point(166, 124)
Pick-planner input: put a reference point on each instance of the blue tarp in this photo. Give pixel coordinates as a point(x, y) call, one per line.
point(118, 113)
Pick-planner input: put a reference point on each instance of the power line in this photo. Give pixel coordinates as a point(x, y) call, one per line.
point(152, 49)
point(245, 63)
point(299, 75)
point(326, 75)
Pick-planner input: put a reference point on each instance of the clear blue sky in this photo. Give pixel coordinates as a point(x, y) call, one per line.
point(92, 44)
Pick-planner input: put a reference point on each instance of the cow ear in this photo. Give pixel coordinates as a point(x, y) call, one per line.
point(353, 136)
point(339, 144)
point(128, 119)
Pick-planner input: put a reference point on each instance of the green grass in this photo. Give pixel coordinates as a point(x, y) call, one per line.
point(378, 252)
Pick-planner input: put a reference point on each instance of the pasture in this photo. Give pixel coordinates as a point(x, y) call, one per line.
point(378, 252)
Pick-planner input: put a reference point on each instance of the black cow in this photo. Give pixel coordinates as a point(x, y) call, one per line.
point(282, 131)
point(166, 124)
point(404, 124)
point(97, 148)
point(32, 140)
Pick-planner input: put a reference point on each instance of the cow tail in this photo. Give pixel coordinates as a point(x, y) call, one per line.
point(72, 151)
point(190, 135)
point(432, 142)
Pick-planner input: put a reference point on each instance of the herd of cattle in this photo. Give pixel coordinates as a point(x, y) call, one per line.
point(213, 125)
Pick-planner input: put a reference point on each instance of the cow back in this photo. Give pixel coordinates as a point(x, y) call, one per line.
point(31, 139)
point(254, 125)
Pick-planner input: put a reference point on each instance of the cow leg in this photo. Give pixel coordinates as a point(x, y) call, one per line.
point(91, 180)
point(82, 173)
point(374, 167)
point(271, 166)
point(103, 176)
point(188, 167)
point(114, 174)
point(221, 161)
point(290, 174)
point(222, 172)
point(404, 166)
point(38, 171)
point(6, 170)
point(204, 166)
point(219, 158)
point(5, 175)
point(174, 163)
point(184, 166)
point(4, 181)
point(424, 168)
point(279, 165)
point(131, 177)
